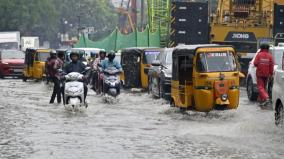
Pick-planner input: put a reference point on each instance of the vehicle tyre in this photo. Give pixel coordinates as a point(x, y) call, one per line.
point(279, 114)
point(182, 110)
point(24, 78)
point(172, 103)
point(252, 96)
point(1, 75)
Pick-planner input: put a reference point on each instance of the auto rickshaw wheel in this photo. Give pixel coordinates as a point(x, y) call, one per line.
point(24, 78)
point(182, 110)
point(172, 103)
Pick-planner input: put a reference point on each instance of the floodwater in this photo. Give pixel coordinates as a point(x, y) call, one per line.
point(136, 127)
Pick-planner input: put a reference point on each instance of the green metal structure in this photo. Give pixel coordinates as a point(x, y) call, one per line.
point(159, 18)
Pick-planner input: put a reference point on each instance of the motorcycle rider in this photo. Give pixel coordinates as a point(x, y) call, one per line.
point(110, 62)
point(93, 75)
point(99, 79)
point(264, 70)
point(76, 66)
point(53, 65)
point(61, 56)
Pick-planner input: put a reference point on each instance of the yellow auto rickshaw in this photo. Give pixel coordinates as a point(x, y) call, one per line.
point(35, 61)
point(205, 77)
point(136, 63)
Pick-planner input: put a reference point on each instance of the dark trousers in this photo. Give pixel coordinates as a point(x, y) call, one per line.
point(94, 79)
point(85, 91)
point(56, 90)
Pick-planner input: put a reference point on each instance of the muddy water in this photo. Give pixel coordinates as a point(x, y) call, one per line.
point(137, 127)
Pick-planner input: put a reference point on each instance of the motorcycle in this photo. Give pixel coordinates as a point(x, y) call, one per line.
point(74, 90)
point(111, 82)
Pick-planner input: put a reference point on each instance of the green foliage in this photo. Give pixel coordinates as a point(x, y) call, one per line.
point(45, 18)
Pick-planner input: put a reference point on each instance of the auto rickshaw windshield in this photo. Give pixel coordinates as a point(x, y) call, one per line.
point(150, 56)
point(42, 56)
point(169, 58)
point(216, 62)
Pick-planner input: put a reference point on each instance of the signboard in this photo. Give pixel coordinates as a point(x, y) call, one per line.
point(152, 52)
point(241, 36)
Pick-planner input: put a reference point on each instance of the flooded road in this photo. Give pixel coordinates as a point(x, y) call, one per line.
point(137, 127)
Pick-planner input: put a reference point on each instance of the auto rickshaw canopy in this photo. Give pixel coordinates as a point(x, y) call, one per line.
point(32, 54)
point(183, 56)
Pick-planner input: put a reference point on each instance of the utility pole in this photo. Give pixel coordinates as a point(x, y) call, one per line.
point(79, 24)
point(134, 12)
point(142, 15)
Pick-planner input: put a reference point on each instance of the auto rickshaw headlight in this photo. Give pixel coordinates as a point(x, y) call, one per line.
point(224, 97)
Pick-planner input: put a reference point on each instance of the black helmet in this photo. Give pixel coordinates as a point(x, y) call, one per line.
point(93, 54)
point(102, 52)
point(111, 55)
point(60, 53)
point(74, 53)
point(53, 53)
point(264, 46)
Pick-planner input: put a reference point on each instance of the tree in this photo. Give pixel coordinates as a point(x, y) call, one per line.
point(44, 18)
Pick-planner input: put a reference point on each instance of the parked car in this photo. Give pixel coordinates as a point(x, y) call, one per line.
point(278, 91)
point(160, 75)
point(11, 63)
point(251, 85)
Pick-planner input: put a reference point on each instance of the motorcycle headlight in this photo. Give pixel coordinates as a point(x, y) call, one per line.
point(224, 97)
point(80, 90)
point(107, 82)
point(68, 91)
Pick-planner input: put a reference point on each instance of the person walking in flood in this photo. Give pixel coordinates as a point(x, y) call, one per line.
point(264, 70)
point(54, 64)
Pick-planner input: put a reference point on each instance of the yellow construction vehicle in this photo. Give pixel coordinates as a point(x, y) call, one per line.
point(242, 23)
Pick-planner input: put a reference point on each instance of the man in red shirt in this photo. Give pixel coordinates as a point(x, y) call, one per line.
point(264, 70)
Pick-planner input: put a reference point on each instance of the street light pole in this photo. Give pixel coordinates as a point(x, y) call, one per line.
point(79, 24)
